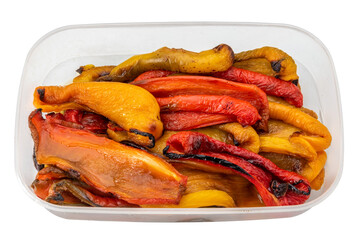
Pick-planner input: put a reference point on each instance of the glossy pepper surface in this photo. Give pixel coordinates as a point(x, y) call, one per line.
point(244, 112)
point(132, 108)
point(128, 173)
point(203, 85)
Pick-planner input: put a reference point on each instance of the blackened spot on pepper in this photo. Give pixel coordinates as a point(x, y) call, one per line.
point(104, 73)
point(276, 65)
point(149, 135)
point(41, 92)
point(57, 197)
point(215, 160)
point(36, 164)
point(295, 82)
point(73, 173)
point(80, 70)
point(279, 189)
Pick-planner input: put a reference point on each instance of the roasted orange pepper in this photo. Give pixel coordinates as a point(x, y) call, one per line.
point(128, 173)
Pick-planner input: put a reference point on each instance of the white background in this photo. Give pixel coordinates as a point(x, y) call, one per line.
point(334, 22)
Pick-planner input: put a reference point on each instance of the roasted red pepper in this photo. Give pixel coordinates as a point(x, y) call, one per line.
point(244, 112)
point(128, 173)
point(276, 186)
point(203, 85)
point(179, 121)
point(152, 74)
point(270, 85)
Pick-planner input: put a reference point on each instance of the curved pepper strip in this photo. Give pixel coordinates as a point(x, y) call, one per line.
point(260, 65)
point(280, 61)
point(270, 85)
point(128, 173)
point(90, 73)
point(204, 85)
point(131, 107)
point(230, 133)
point(179, 121)
point(217, 59)
point(280, 139)
point(202, 176)
point(319, 136)
point(276, 186)
point(244, 112)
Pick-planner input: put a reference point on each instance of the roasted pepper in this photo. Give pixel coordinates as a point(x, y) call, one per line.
point(280, 61)
point(275, 186)
point(270, 85)
point(313, 131)
point(130, 174)
point(203, 85)
point(179, 121)
point(217, 59)
point(260, 65)
point(131, 107)
point(91, 73)
point(230, 133)
point(244, 112)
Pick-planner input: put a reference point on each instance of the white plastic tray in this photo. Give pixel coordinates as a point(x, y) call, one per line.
point(55, 57)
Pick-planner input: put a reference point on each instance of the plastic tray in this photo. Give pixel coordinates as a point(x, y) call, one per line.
point(55, 57)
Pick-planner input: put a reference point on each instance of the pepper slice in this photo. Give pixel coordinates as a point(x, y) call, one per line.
point(132, 108)
point(270, 85)
point(276, 186)
point(128, 173)
point(314, 131)
point(179, 121)
point(280, 61)
point(217, 59)
point(203, 85)
point(244, 112)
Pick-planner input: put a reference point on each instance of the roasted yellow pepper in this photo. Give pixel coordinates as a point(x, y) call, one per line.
point(131, 107)
point(217, 59)
point(280, 62)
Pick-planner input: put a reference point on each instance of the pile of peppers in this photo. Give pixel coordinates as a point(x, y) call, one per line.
point(181, 129)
